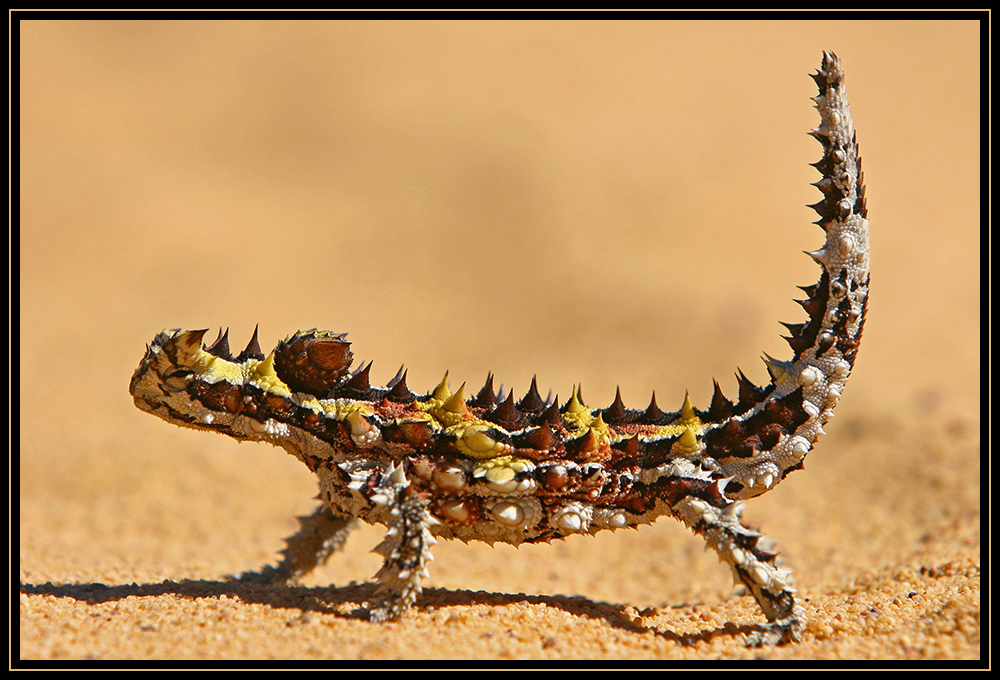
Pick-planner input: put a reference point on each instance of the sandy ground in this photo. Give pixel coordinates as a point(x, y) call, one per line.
point(620, 204)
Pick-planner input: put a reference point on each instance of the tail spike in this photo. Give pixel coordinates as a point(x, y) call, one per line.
point(796, 341)
point(813, 306)
point(794, 328)
point(810, 291)
point(720, 408)
point(749, 392)
point(775, 368)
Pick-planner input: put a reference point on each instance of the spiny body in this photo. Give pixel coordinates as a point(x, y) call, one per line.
point(488, 467)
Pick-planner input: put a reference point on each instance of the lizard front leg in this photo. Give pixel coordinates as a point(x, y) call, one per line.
point(319, 536)
point(406, 548)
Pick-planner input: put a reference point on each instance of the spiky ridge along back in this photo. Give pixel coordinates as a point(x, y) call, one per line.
point(494, 468)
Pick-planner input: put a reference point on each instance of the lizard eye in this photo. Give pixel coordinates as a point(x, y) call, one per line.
point(179, 379)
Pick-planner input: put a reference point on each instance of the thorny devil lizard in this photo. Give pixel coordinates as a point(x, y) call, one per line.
point(490, 468)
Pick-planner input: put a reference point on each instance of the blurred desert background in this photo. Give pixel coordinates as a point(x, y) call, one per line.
point(617, 204)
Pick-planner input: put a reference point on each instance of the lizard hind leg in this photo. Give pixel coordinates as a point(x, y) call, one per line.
point(752, 567)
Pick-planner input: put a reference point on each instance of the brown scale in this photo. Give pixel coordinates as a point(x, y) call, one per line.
point(720, 408)
point(417, 434)
point(569, 482)
point(313, 363)
point(749, 394)
point(220, 396)
point(832, 195)
point(532, 401)
point(652, 415)
point(657, 453)
point(311, 421)
point(333, 432)
point(617, 414)
point(637, 500)
point(678, 488)
point(625, 451)
point(399, 392)
point(539, 443)
point(641, 498)
point(552, 416)
point(588, 448)
point(220, 347)
point(557, 478)
point(507, 415)
point(759, 432)
point(358, 386)
point(252, 350)
point(452, 510)
point(278, 407)
point(485, 398)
